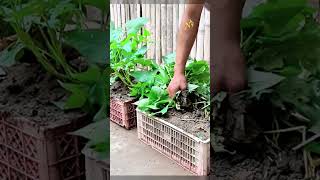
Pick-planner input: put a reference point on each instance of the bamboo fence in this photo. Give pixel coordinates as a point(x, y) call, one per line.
point(164, 21)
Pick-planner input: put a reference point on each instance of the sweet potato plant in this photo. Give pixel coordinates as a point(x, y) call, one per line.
point(49, 29)
point(147, 80)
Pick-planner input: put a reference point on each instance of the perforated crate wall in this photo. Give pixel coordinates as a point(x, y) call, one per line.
point(32, 152)
point(188, 151)
point(96, 169)
point(123, 113)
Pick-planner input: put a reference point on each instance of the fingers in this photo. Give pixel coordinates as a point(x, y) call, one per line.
point(172, 89)
point(183, 86)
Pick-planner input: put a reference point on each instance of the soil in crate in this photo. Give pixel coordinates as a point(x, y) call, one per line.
point(26, 90)
point(194, 123)
point(189, 118)
point(120, 91)
point(33, 132)
point(122, 111)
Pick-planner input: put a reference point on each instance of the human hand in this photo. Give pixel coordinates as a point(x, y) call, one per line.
point(178, 82)
point(228, 69)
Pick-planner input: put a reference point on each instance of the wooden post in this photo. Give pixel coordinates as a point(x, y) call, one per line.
point(207, 36)
point(200, 42)
point(158, 33)
point(163, 30)
point(152, 31)
point(148, 25)
point(175, 25)
point(169, 28)
point(123, 16)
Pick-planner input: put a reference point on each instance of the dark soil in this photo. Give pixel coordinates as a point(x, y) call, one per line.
point(189, 118)
point(259, 161)
point(27, 90)
point(238, 128)
point(119, 91)
point(192, 122)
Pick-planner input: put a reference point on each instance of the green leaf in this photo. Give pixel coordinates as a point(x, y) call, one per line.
point(100, 4)
point(8, 56)
point(133, 26)
point(144, 76)
point(59, 104)
point(90, 76)
point(142, 102)
point(152, 106)
point(78, 97)
point(313, 147)
point(192, 87)
point(76, 100)
point(280, 16)
point(259, 80)
point(73, 87)
point(91, 43)
point(155, 93)
point(142, 51)
point(170, 58)
point(101, 148)
point(165, 110)
point(101, 114)
point(97, 132)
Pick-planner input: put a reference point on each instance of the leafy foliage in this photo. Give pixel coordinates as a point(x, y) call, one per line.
point(127, 49)
point(151, 88)
point(45, 28)
point(281, 41)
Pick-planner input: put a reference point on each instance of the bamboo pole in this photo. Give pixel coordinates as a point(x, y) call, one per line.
point(138, 10)
point(116, 15)
point(175, 25)
point(133, 10)
point(181, 10)
point(127, 12)
point(169, 28)
point(158, 33)
point(200, 42)
point(207, 36)
point(143, 9)
point(123, 16)
point(148, 25)
point(163, 30)
point(152, 31)
point(111, 13)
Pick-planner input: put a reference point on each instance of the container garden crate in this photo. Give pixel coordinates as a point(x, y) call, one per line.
point(123, 113)
point(35, 151)
point(96, 169)
point(185, 149)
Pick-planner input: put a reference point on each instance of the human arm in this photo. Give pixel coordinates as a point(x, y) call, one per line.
point(185, 41)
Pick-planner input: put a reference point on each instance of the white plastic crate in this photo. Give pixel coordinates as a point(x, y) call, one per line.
point(185, 149)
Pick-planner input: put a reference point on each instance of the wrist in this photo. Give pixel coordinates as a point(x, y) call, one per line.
point(179, 69)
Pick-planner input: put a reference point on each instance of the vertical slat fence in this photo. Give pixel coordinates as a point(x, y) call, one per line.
point(164, 23)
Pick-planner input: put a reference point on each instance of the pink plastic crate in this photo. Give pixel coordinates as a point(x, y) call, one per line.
point(188, 151)
point(30, 151)
point(123, 113)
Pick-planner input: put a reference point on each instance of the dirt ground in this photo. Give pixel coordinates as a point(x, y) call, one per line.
point(242, 124)
point(259, 162)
